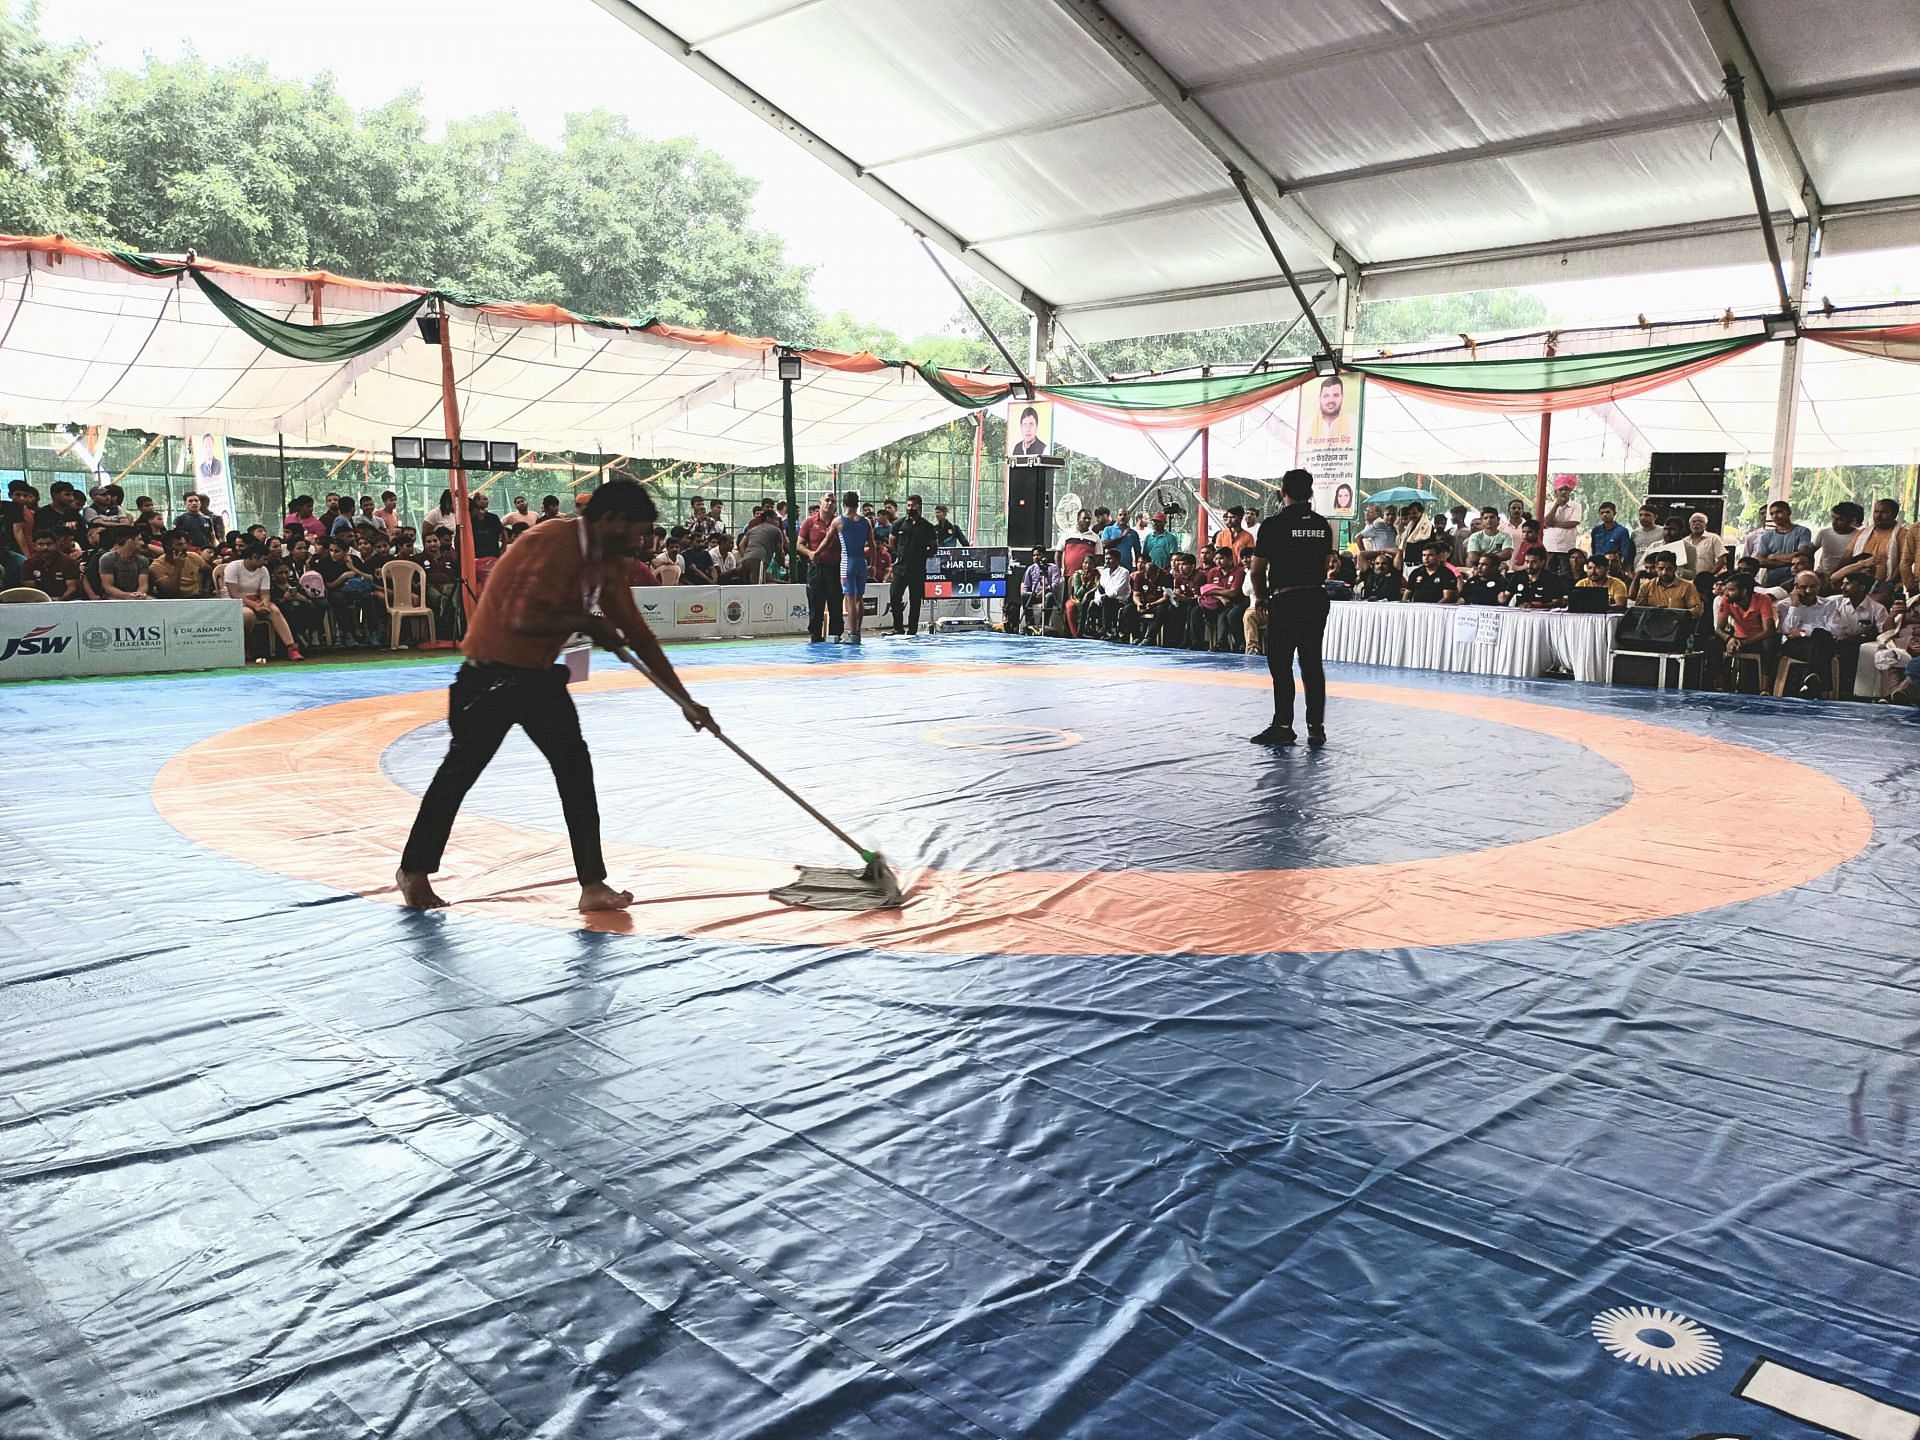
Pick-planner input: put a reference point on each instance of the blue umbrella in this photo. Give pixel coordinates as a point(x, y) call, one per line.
point(1402, 495)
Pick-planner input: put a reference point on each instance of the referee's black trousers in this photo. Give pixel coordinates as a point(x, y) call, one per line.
point(1296, 621)
point(487, 701)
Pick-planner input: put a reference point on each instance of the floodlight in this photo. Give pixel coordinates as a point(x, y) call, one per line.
point(1326, 364)
point(429, 328)
point(1020, 390)
point(789, 366)
point(503, 455)
point(473, 454)
point(436, 454)
point(406, 451)
point(1783, 327)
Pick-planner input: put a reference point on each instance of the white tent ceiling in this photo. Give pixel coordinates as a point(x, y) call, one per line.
point(86, 341)
point(1077, 153)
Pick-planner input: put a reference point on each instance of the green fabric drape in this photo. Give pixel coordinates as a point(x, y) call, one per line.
point(1546, 375)
point(965, 399)
point(1199, 391)
point(323, 343)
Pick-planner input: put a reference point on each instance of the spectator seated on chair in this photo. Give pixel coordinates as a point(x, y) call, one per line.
point(1337, 585)
point(123, 566)
point(53, 574)
point(1810, 625)
point(1664, 589)
point(1432, 581)
point(1039, 586)
point(349, 592)
point(1899, 651)
point(1535, 587)
point(181, 573)
point(1382, 580)
point(250, 582)
point(1151, 603)
point(1083, 599)
point(1600, 576)
point(1223, 597)
point(1488, 583)
point(1185, 618)
point(442, 563)
point(1116, 596)
point(1745, 623)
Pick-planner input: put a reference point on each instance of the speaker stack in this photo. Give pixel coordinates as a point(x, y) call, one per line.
point(1683, 484)
point(1030, 500)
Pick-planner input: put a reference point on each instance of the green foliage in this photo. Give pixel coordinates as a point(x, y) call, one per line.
point(39, 164)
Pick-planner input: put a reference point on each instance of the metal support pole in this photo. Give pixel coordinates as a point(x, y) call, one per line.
point(1737, 92)
point(1273, 246)
point(1786, 414)
point(786, 448)
point(1204, 526)
point(450, 419)
point(979, 319)
point(973, 493)
point(284, 507)
point(1540, 477)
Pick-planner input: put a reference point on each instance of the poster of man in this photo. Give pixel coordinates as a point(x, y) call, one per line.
point(1327, 443)
point(210, 477)
point(1029, 427)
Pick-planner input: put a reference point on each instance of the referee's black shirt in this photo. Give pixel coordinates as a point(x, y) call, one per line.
point(1295, 544)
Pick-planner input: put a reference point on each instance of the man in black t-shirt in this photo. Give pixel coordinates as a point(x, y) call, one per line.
point(913, 540)
point(1486, 586)
point(1382, 580)
point(1289, 580)
point(1433, 582)
point(1536, 587)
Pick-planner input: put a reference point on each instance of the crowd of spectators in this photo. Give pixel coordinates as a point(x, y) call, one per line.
point(1836, 600)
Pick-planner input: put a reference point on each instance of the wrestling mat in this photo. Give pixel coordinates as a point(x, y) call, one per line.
point(1535, 1060)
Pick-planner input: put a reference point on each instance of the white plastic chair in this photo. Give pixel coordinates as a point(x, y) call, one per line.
point(25, 595)
point(404, 585)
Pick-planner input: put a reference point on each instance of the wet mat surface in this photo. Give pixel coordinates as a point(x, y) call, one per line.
point(279, 1160)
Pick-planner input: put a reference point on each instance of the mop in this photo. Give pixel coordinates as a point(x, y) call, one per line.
point(818, 887)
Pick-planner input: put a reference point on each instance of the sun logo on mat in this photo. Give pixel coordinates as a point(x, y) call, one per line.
point(1660, 1340)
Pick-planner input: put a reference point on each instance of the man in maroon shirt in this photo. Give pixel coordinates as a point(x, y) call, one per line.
point(820, 543)
point(54, 575)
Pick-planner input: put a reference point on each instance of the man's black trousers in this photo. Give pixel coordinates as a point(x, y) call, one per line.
point(824, 601)
point(910, 582)
point(485, 702)
point(1296, 622)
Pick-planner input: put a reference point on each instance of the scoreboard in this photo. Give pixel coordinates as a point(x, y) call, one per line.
point(965, 574)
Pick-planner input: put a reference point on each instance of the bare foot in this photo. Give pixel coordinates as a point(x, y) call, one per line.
point(601, 896)
point(416, 890)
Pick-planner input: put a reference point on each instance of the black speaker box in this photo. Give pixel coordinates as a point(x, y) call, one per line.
point(1030, 502)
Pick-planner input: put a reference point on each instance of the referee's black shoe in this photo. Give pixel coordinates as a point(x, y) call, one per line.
point(1275, 734)
point(1316, 734)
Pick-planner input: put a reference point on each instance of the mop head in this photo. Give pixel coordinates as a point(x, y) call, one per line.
point(823, 887)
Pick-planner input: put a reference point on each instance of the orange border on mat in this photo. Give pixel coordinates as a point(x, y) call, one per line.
point(1704, 827)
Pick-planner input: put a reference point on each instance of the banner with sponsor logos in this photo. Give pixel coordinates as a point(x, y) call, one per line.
point(119, 637)
point(722, 611)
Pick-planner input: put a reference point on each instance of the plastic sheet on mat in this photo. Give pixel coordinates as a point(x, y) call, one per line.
point(278, 1159)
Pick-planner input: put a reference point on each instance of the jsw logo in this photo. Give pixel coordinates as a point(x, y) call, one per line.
point(35, 642)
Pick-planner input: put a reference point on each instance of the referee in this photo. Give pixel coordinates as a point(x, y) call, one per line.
point(1289, 581)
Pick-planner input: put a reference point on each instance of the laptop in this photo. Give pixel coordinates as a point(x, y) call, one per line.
point(1588, 600)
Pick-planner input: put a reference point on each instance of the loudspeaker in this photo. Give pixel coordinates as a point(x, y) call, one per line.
point(1681, 483)
point(1030, 500)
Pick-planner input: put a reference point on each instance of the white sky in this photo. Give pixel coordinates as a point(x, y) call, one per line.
point(558, 56)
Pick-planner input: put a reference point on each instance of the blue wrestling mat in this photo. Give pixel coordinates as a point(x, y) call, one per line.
point(1535, 1061)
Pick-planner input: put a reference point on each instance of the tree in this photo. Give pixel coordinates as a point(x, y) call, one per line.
point(39, 163)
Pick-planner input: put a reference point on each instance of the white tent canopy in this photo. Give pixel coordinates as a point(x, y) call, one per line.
point(1077, 153)
point(86, 340)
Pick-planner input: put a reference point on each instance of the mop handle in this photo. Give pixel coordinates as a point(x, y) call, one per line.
point(726, 740)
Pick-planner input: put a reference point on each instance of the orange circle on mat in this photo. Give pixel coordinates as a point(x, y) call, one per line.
point(1701, 829)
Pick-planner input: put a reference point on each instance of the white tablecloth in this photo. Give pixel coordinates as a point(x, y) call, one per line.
point(1479, 639)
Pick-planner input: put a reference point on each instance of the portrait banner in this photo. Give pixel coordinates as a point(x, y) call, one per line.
point(1029, 427)
point(1327, 441)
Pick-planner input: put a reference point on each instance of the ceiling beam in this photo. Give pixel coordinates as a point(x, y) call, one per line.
point(1778, 152)
point(1652, 124)
point(1895, 84)
point(644, 25)
point(796, 8)
point(1184, 205)
point(1111, 36)
point(1016, 132)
